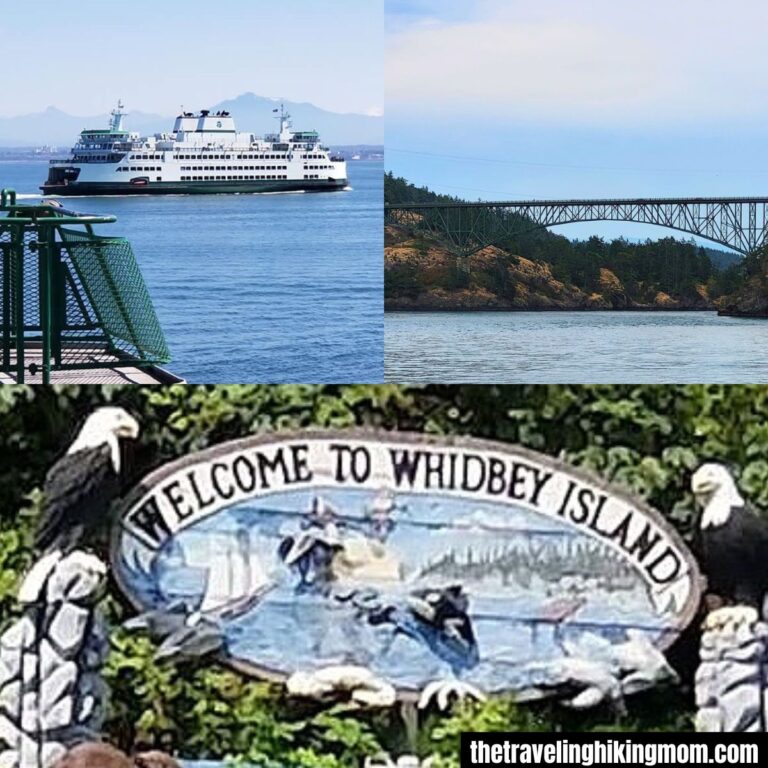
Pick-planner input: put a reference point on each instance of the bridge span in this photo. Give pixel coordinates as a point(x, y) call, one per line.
point(739, 223)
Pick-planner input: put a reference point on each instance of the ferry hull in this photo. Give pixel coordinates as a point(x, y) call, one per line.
point(94, 188)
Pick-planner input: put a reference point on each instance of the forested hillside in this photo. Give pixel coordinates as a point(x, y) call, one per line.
point(539, 269)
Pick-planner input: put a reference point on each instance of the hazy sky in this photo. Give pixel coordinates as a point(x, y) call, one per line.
point(81, 56)
point(504, 99)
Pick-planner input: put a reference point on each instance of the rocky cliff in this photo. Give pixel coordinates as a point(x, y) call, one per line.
point(749, 300)
point(421, 274)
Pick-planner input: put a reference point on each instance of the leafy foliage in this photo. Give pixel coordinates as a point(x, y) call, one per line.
point(645, 438)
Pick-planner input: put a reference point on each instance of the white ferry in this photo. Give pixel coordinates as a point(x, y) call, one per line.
point(203, 154)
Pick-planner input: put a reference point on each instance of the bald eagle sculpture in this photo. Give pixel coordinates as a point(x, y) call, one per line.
point(82, 484)
point(733, 547)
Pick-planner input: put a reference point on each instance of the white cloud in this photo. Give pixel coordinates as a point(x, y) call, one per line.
point(598, 61)
point(375, 112)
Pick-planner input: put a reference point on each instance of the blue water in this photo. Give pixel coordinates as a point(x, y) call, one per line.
point(574, 347)
point(256, 288)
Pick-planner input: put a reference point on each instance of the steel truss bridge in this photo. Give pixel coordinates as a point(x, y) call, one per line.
point(740, 223)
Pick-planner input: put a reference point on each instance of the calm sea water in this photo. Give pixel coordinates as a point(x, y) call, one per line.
point(574, 347)
point(256, 288)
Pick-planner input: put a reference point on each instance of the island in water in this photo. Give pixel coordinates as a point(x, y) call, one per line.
point(541, 270)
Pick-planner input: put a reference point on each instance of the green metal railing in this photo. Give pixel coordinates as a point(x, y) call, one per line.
point(70, 299)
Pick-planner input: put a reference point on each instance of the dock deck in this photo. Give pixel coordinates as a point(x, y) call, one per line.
point(119, 371)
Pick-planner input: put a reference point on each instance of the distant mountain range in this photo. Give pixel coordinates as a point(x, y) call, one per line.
point(252, 114)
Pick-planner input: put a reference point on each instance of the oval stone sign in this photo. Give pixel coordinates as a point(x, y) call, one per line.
point(421, 558)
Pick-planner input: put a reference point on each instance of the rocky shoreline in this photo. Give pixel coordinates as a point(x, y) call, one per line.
point(423, 276)
point(750, 301)
point(395, 306)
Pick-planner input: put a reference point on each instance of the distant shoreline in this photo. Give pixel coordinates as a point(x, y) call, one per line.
point(422, 310)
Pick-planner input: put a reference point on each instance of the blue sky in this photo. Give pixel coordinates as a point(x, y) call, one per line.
point(516, 99)
point(81, 56)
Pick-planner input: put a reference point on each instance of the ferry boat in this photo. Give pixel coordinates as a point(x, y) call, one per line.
point(203, 154)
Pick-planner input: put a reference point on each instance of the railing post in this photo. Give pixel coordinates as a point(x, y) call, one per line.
point(17, 297)
point(7, 324)
point(58, 300)
point(46, 295)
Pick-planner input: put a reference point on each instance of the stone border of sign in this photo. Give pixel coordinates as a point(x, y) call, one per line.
point(211, 453)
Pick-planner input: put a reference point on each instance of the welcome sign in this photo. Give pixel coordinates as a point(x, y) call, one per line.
point(417, 557)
